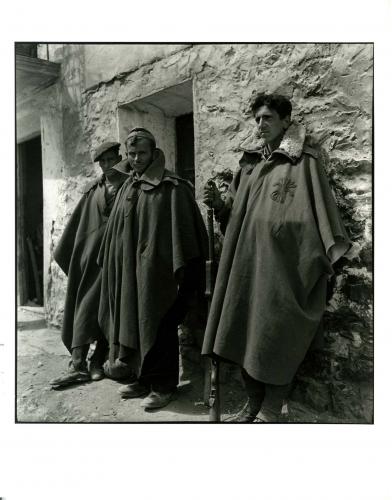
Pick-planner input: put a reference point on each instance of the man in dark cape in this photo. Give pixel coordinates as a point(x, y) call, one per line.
point(283, 233)
point(153, 261)
point(76, 254)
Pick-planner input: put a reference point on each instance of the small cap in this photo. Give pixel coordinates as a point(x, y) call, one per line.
point(141, 133)
point(105, 147)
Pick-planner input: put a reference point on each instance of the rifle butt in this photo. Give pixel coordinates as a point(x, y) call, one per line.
point(214, 399)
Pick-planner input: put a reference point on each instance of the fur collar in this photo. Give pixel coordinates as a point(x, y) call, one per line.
point(292, 143)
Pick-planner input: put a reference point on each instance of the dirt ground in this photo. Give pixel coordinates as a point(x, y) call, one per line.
point(41, 357)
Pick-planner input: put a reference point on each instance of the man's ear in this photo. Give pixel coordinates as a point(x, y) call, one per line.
point(119, 157)
point(286, 122)
point(155, 154)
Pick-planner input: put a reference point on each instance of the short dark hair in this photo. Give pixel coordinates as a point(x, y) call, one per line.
point(277, 102)
point(135, 138)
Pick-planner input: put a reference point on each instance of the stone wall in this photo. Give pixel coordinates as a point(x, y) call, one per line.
point(104, 62)
point(331, 88)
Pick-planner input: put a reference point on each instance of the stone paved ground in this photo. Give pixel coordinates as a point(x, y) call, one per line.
point(41, 357)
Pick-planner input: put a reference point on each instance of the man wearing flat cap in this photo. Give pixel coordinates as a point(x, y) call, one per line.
point(152, 257)
point(76, 254)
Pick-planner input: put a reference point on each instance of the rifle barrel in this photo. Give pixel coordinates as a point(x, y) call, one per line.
point(210, 230)
point(211, 386)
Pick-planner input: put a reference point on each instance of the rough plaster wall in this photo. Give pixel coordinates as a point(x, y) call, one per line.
point(331, 88)
point(103, 62)
point(71, 165)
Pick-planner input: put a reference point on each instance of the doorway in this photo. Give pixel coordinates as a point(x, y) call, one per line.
point(185, 142)
point(30, 222)
point(168, 114)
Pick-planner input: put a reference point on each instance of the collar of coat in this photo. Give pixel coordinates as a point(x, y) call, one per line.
point(123, 168)
point(155, 174)
point(292, 144)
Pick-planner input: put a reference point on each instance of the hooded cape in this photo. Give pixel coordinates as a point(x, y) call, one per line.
point(155, 230)
point(283, 234)
point(76, 254)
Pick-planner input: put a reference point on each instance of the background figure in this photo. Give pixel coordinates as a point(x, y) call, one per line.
point(77, 254)
point(283, 233)
point(152, 257)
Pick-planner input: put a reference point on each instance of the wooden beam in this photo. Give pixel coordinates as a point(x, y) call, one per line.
point(20, 230)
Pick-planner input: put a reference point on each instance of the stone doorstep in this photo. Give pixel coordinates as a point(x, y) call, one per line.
point(38, 310)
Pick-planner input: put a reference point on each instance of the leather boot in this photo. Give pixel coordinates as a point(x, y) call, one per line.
point(248, 413)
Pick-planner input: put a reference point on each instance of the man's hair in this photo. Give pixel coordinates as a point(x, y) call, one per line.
point(140, 133)
point(277, 102)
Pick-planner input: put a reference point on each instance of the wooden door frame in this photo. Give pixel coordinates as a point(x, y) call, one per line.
point(21, 252)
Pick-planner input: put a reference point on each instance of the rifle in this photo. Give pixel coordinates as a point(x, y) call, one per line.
point(211, 373)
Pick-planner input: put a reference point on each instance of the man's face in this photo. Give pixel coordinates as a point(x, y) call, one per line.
point(108, 159)
point(269, 124)
point(140, 155)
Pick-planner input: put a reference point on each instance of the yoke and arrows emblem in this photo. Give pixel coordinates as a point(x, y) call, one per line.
point(285, 186)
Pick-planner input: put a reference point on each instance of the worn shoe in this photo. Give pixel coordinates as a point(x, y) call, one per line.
point(118, 370)
point(157, 400)
point(247, 415)
point(72, 377)
point(134, 390)
point(267, 416)
point(96, 372)
point(258, 420)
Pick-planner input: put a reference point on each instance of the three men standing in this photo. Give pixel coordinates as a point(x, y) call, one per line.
point(283, 233)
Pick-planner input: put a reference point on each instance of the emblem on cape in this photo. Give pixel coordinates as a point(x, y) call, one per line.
point(284, 187)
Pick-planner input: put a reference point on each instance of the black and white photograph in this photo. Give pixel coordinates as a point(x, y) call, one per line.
point(195, 251)
point(194, 232)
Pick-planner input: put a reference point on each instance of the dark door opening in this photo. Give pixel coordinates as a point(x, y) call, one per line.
point(185, 164)
point(30, 223)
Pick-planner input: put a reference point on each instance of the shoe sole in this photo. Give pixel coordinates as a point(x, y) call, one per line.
point(58, 385)
point(133, 396)
point(240, 420)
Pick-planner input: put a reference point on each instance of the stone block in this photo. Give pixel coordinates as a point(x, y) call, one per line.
point(348, 403)
point(313, 393)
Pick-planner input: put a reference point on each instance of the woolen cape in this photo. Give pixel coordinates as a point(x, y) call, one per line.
point(155, 230)
point(76, 254)
point(283, 234)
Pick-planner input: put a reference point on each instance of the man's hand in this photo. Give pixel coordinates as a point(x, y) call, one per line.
point(212, 197)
